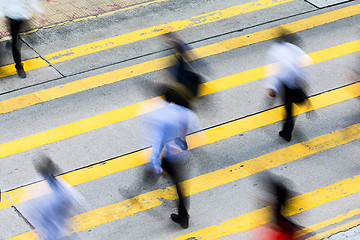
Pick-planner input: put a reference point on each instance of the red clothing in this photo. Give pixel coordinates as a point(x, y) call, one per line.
point(269, 233)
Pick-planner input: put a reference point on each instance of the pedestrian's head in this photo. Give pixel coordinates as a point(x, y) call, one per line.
point(175, 41)
point(285, 35)
point(173, 95)
point(170, 35)
point(46, 167)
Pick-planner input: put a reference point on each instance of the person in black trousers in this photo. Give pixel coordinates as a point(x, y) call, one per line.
point(287, 73)
point(17, 12)
point(291, 96)
point(165, 125)
point(173, 170)
point(187, 80)
point(15, 26)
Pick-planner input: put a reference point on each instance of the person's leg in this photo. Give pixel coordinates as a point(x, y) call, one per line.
point(289, 120)
point(15, 26)
point(302, 99)
point(172, 170)
point(181, 140)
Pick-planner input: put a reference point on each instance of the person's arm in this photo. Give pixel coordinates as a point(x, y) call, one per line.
point(305, 61)
point(272, 69)
point(157, 146)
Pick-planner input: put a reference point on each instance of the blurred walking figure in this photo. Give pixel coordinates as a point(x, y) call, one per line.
point(187, 81)
point(288, 74)
point(279, 228)
point(17, 13)
point(165, 124)
point(49, 213)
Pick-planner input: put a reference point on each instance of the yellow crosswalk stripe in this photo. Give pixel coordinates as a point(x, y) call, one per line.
point(327, 223)
point(117, 115)
point(162, 63)
point(136, 159)
point(30, 64)
point(142, 34)
point(235, 172)
point(259, 217)
point(341, 228)
point(161, 29)
point(107, 13)
point(259, 72)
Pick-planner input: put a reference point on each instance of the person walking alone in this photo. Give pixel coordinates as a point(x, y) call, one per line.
point(57, 201)
point(17, 12)
point(165, 124)
point(287, 73)
point(187, 80)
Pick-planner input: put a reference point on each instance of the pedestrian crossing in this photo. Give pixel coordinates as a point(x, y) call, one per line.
point(206, 138)
point(161, 63)
point(130, 111)
point(195, 140)
point(142, 34)
point(299, 203)
point(220, 177)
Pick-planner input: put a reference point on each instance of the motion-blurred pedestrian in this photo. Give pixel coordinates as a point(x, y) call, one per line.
point(279, 227)
point(187, 80)
point(49, 213)
point(184, 72)
point(165, 125)
point(17, 13)
point(287, 73)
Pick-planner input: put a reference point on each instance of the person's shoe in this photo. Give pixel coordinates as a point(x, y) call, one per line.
point(184, 222)
point(285, 136)
point(182, 144)
point(21, 73)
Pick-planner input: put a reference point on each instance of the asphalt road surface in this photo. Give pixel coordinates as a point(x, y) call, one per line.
point(91, 83)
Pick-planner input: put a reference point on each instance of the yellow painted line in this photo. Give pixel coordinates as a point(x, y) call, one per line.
point(80, 19)
point(235, 172)
point(259, 217)
point(30, 64)
point(108, 43)
point(162, 63)
point(259, 73)
point(328, 222)
point(209, 87)
point(338, 229)
point(160, 30)
point(135, 159)
point(117, 115)
point(154, 31)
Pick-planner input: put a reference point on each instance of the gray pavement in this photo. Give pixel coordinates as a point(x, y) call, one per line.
point(210, 207)
point(351, 234)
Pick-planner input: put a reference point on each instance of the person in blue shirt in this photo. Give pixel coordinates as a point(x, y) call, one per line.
point(165, 124)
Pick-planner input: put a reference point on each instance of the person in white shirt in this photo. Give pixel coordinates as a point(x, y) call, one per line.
point(17, 12)
point(287, 73)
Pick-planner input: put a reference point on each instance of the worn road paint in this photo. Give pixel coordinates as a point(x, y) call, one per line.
point(238, 171)
point(259, 217)
point(161, 63)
